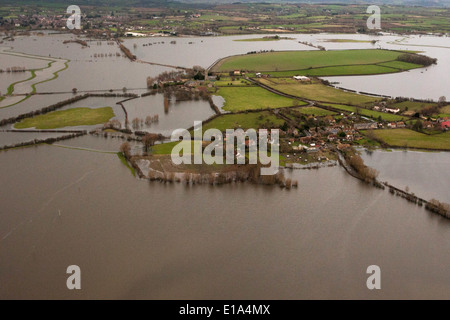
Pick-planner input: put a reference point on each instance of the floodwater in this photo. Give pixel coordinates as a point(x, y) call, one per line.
point(135, 239)
point(87, 72)
point(426, 174)
point(180, 114)
point(7, 78)
point(11, 138)
point(424, 83)
point(75, 203)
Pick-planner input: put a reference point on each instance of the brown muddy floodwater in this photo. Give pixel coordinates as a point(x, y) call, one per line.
point(135, 239)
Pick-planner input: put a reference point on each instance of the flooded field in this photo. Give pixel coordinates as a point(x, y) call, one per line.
point(75, 202)
point(133, 239)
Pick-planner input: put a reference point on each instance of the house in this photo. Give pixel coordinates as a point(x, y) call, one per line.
point(445, 125)
point(332, 137)
point(394, 111)
point(392, 125)
point(365, 126)
point(237, 72)
point(135, 34)
point(427, 124)
point(305, 140)
point(401, 124)
point(302, 78)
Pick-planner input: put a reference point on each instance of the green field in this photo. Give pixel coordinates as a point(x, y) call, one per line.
point(301, 60)
point(251, 120)
point(314, 111)
point(400, 65)
point(166, 148)
point(413, 139)
point(228, 81)
point(68, 118)
point(317, 91)
point(411, 105)
point(367, 69)
point(368, 113)
point(445, 112)
point(252, 98)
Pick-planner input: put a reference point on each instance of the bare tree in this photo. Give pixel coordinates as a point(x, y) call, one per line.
point(149, 140)
point(125, 148)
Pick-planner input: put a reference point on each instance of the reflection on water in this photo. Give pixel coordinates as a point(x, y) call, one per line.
point(135, 239)
point(424, 173)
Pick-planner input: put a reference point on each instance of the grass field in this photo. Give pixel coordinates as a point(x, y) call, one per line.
point(314, 111)
point(411, 105)
point(252, 98)
point(400, 65)
point(368, 113)
point(317, 91)
point(337, 71)
point(227, 81)
point(253, 120)
point(301, 60)
point(68, 118)
point(166, 148)
point(446, 109)
point(445, 112)
point(413, 139)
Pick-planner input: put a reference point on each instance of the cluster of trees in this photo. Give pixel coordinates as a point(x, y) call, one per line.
point(417, 59)
point(430, 110)
point(127, 52)
point(79, 41)
point(306, 43)
point(366, 173)
point(48, 141)
point(195, 73)
point(125, 148)
point(151, 119)
point(101, 55)
point(260, 51)
point(440, 208)
point(13, 69)
point(149, 140)
point(138, 123)
point(113, 124)
point(250, 173)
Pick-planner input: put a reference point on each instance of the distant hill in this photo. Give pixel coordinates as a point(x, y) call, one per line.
point(425, 3)
point(170, 3)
